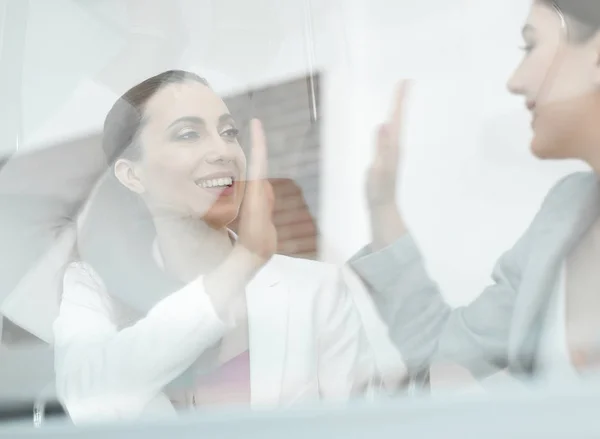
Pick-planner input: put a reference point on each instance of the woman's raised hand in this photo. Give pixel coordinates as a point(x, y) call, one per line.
point(383, 174)
point(257, 231)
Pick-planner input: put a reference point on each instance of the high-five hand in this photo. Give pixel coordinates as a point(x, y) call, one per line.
point(257, 232)
point(382, 178)
point(257, 236)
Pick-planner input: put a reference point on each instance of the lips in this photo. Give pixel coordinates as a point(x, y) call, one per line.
point(220, 184)
point(530, 105)
point(219, 179)
point(531, 108)
point(208, 183)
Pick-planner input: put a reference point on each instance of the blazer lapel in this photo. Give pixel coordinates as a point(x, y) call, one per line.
point(267, 301)
point(567, 222)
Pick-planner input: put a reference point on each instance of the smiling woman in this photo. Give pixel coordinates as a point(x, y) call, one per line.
point(558, 78)
point(539, 317)
point(163, 291)
point(169, 172)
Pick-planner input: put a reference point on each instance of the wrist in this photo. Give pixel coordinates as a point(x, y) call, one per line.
point(387, 225)
point(247, 262)
point(384, 210)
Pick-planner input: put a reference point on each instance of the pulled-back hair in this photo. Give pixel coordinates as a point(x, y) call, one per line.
point(582, 17)
point(125, 118)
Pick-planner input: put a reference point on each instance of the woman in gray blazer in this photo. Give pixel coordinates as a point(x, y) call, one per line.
point(540, 316)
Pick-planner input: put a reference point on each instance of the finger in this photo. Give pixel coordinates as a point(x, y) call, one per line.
point(270, 196)
point(395, 121)
point(386, 145)
point(383, 136)
point(258, 159)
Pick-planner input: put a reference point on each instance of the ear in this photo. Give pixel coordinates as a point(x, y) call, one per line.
point(128, 175)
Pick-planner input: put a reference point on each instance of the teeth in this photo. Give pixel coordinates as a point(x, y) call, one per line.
point(216, 182)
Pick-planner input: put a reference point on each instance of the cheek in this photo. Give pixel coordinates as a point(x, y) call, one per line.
point(532, 73)
point(224, 212)
point(165, 173)
point(242, 164)
point(169, 184)
point(570, 78)
point(558, 130)
point(241, 190)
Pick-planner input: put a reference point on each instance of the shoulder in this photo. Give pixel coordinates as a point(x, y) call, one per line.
point(569, 196)
point(566, 201)
point(573, 186)
point(81, 273)
point(82, 286)
point(86, 311)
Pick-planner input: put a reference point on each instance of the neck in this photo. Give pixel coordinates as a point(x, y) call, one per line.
point(588, 130)
point(190, 247)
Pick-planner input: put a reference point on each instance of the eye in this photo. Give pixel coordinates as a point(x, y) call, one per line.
point(187, 134)
point(527, 48)
point(231, 133)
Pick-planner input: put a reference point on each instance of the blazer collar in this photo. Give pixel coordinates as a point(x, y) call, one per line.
point(268, 306)
point(569, 216)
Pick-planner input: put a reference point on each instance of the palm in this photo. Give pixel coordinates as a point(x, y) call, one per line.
point(383, 173)
point(257, 230)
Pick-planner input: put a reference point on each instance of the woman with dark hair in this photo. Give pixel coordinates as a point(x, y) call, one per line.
point(540, 316)
point(164, 300)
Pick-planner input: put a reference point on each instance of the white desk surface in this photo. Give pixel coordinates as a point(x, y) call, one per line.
point(561, 413)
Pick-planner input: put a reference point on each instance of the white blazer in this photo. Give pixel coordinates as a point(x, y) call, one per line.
point(306, 341)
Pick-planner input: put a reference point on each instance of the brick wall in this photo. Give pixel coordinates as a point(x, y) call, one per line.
point(294, 151)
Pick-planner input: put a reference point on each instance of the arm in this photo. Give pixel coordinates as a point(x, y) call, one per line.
point(101, 367)
point(423, 325)
point(420, 322)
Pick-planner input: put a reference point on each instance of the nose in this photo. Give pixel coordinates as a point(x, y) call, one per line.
point(220, 151)
point(516, 84)
point(521, 78)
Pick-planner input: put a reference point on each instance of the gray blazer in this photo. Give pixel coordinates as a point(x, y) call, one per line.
point(502, 327)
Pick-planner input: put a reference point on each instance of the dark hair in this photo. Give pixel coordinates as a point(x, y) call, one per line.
point(125, 118)
point(582, 16)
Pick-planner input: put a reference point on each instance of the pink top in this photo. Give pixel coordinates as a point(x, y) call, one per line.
point(227, 385)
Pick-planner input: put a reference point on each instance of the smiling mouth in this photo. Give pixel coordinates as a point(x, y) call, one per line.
point(216, 183)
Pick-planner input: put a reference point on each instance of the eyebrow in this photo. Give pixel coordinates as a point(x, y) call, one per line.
point(188, 119)
point(223, 119)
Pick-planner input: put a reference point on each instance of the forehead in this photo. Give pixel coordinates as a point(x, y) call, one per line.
point(188, 98)
point(543, 20)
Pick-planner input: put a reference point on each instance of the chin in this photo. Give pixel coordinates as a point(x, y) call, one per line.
point(539, 151)
point(219, 217)
point(559, 130)
point(550, 147)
